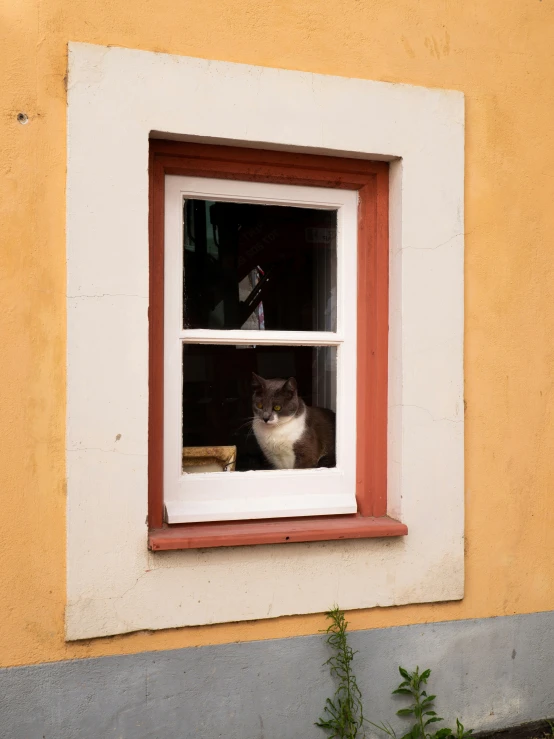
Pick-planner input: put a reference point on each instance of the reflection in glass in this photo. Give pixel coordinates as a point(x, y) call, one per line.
point(259, 267)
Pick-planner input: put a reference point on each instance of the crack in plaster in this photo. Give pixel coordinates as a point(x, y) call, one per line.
point(431, 248)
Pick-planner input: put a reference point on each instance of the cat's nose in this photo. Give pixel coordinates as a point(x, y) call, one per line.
point(266, 418)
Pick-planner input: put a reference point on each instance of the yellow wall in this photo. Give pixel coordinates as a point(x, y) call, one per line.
point(500, 53)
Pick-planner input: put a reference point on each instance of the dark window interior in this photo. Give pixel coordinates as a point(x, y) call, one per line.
point(217, 393)
point(256, 267)
point(259, 267)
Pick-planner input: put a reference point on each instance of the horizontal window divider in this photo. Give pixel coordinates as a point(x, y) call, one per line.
point(257, 338)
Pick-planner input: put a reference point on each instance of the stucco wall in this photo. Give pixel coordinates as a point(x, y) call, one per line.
point(500, 55)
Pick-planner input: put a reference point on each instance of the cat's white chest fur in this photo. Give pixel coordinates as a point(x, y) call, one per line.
point(277, 440)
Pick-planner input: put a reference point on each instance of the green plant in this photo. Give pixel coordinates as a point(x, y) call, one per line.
point(421, 709)
point(343, 716)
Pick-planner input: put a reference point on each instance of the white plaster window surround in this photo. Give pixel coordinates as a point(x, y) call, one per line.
point(116, 99)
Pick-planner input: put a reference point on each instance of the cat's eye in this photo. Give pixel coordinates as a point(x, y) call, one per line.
point(276, 407)
point(259, 405)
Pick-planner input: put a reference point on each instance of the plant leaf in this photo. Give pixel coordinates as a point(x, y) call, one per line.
point(443, 733)
point(425, 675)
point(384, 728)
point(405, 674)
point(402, 691)
point(405, 712)
point(433, 719)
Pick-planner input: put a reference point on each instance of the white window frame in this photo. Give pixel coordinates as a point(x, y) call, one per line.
point(263, 493)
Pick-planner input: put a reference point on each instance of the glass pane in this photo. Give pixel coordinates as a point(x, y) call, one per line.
point(259, 267)
point(225, 430)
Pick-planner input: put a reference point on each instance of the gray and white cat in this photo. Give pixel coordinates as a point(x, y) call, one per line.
point(291, 434)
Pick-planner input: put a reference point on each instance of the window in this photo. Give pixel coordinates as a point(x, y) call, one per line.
point(297, 319)
point(269, 265)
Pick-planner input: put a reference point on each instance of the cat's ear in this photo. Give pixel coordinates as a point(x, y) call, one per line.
point(257, 381)
point(290, 385)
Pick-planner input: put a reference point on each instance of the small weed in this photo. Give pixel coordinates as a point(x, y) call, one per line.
point(421, 710)
point(343, 716)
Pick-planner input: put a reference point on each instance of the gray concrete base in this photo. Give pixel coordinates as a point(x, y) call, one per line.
point(491, 672)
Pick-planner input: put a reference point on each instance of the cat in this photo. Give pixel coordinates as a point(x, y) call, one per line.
point(291, 434)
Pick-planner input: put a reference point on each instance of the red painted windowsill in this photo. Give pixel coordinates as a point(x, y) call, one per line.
point(277, 531)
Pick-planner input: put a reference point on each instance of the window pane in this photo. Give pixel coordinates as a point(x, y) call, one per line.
point(259, 267)
point(220, 402)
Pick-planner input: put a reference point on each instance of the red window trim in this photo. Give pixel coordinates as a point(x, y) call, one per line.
point(370, 179)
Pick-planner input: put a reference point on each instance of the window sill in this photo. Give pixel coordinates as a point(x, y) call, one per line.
point(284, 531)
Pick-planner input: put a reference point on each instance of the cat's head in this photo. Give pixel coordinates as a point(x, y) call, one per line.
point(274, 401)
